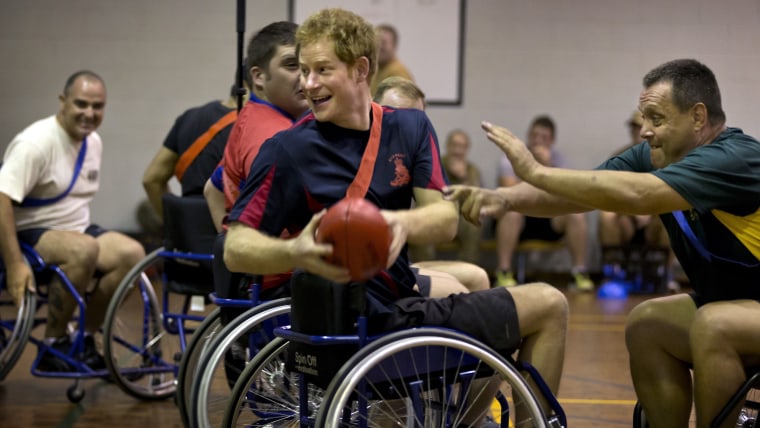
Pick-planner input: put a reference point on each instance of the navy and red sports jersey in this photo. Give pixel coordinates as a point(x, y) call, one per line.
point(309, 167)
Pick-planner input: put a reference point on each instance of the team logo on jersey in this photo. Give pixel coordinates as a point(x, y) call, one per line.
point(402, 177)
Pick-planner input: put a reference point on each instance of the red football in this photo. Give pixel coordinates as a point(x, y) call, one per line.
point(359, 235)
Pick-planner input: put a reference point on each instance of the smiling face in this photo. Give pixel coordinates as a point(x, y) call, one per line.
point(280, 84)
point(671, 134)
point(335, 91)
point(82, 108)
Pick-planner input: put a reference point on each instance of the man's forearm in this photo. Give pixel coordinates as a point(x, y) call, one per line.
point(247, 250)
point(529, 200)
point(431, 224)
point(155, 192)
point(618, 191)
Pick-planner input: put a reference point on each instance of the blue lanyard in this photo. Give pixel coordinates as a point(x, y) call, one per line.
point(701, 249)
point(34, 202)
point(253, 98)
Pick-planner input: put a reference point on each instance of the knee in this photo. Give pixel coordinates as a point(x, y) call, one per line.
point(129, 253)
point(83, 252)
point(555, 302)
point(607, 219)
point(479, 279)
point(710, 330)
point(640, 324)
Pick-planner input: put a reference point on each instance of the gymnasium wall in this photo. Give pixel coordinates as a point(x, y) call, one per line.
point(581, 61)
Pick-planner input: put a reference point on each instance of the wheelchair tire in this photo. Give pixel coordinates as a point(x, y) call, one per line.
point(188, 366)
point(639, 418)
point(139, 352)
point(211, 387)
point(454, 357)
point(16, 325)
point(267, 394)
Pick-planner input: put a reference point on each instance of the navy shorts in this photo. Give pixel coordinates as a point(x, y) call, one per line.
point(32, 236)
point(489, 316)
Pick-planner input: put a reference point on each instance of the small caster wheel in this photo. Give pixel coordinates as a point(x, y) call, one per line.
point(75, 394)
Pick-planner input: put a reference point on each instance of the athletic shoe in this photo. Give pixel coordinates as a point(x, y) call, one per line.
point(52, 363)
point(505, 278)
point(91, 356)
point(583, 282)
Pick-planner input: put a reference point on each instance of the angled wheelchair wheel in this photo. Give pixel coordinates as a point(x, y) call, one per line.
point(16, 323)
point(744, 405)
point(428, 377)
point(229, 352)
point(188, 366)
point(639, 418)
point(267, 394)
point(141, 348)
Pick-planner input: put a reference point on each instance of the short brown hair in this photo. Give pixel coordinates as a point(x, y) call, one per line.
point(353, 37)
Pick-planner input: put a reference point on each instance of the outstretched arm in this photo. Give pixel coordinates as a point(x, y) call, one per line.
point(619, 191)
point(477, 203)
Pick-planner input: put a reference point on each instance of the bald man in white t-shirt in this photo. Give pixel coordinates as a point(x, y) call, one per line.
point(49, 175)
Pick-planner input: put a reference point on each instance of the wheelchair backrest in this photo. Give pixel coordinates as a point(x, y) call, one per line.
point(188, 226)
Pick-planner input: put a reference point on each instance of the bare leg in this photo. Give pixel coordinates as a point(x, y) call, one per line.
point(75, 253)
point(469, 241)
point(507, 235)
point(657, 337)
point(472, 276)
point(118, 253)
point(615, 229)
point(442, 284)
point(724, 339)
point(543, 312)
point(576, 234)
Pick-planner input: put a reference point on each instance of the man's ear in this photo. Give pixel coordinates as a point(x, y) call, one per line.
point(258, 76)
point(699, 116)
point(362, 69)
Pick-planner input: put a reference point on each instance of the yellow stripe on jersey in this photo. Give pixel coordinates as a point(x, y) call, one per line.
point(745, 228)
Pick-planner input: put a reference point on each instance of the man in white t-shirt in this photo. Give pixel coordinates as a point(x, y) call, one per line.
point(49, 175)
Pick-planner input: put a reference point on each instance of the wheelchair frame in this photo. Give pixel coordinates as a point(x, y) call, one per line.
point(283, 402)
point(255, 327)
point(26, 320)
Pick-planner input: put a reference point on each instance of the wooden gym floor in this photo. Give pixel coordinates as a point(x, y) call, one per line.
point(596, 388)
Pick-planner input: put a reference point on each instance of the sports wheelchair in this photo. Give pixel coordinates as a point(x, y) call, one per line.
point(226, 341)
point(744, 405)
point(222, 356)
point(161, 302)
point(158, 303)
point(326, 371)
point(18, 322)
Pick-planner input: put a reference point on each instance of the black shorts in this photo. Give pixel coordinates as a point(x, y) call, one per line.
point(489, 316)
point(539, 229)
point(32, 236)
